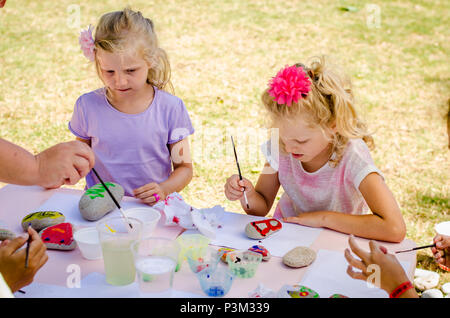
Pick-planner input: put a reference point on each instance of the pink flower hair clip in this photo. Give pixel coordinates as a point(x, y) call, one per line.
point(290, 84)
point(87, 43)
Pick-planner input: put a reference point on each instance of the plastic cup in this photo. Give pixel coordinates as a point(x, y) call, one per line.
point(202, 258)
point(188, 242)
point(116, 238)
point(243, 264)
point(149, 217)
point(89, 243)
point(155, 260)
point(215, 282)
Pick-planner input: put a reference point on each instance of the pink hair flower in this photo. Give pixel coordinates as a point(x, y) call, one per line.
point(87, 44)
point(290, 84)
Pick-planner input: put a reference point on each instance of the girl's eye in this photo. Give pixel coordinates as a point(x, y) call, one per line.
point(131, 71)
point(110, 72)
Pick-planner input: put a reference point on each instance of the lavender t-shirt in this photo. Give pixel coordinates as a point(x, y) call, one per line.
point(130, 149)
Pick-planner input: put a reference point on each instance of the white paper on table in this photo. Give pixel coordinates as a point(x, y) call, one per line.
point(67, 204)
point(38, 290)
point(232, 234)
point(327, 275)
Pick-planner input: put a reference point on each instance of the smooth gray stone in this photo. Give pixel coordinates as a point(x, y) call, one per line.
point(6, 235)
point(299, 256)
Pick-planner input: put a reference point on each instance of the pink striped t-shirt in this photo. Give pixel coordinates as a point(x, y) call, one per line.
point(327, 189)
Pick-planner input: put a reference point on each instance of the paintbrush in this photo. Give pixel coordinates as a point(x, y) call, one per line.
point(27, 251)
point(416, 248)
point(239, 170)
point(113, 198)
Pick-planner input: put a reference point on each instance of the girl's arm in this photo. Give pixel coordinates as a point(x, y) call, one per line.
point(86, 141)
point(261, 197)
point(385, 223)
point(182, 167)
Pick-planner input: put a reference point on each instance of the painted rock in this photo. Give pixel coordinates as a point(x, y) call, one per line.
point(223, 251)
point(6, 235)
point(262, 229)
point(58, 237)
point(95, 203)
point(299, 256)
point(338, 296)
point(261, 250)
point(297, 291)
point(42, 219)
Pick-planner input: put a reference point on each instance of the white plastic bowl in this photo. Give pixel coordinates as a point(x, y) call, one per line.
point(149, 216)
point(443, 228)
point(88, 242)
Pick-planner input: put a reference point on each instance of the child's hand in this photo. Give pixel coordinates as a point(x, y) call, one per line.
point(234, 188)
point(312, 219)
point(390, 272)
point(150, 193)
point(442, 248)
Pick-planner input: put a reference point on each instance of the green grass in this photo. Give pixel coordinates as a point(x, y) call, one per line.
point(223, 53)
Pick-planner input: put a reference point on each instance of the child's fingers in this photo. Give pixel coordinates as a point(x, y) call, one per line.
point(363, 255)
point(145, 188)
point(353, 261)
point(355, 275)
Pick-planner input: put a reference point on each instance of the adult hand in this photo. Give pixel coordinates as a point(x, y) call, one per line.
point(441, 252)
point(64, 163)
point(391, 272)
point(150, 193)
point(234, 187)
point(12, 260)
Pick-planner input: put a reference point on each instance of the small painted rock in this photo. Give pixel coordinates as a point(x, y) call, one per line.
point(6, 235)
point(298, 291)
point(95, 203)
point(58, 237)
point(262, 229)
point(223, 251)
point(261, 250)
point(338, 296)
point(299, 256)
point(42, 219)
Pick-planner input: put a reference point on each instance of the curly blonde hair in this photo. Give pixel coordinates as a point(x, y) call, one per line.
point(330, 101)
point(120, 31)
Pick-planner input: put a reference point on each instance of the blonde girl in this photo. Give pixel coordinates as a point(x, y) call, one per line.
point(323, 160)
point(137, 129)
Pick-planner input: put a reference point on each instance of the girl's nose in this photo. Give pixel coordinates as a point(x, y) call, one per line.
point(120, 80)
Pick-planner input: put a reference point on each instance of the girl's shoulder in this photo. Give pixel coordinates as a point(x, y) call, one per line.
point(95, 96)
point(356, 151)
point(167, 98)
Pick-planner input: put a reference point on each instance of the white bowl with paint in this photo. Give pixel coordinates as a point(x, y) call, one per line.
point(89, 243)
point(149, 216)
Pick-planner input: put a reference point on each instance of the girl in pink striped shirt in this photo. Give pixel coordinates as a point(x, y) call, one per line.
point(321, 158)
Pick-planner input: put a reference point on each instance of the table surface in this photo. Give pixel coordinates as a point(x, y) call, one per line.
point(18, 201)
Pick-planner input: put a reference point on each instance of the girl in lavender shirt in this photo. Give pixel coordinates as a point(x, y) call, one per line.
point(321, 159)
point(136, 129)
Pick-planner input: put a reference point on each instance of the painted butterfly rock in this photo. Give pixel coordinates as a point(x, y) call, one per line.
point(58, 237)
point(299, 256)
point(6, 235)
point(42, 219)
point(338, 296)
point(262, 229)
point(95, 203)
point(261, 250)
